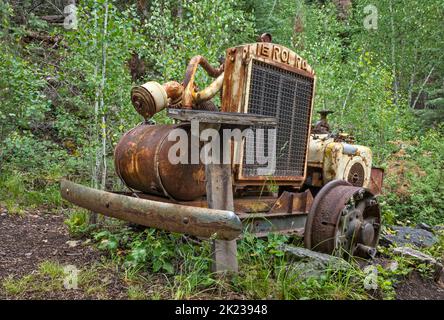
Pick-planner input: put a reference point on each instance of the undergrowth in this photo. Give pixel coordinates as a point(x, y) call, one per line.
point(264, 270)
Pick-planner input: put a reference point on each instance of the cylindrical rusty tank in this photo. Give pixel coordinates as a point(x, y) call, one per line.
point(141, 160)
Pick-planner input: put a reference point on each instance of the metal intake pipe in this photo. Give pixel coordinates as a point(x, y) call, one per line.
point(190, 96)
point(152, 97)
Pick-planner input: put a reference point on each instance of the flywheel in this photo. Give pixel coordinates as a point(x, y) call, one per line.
point(344, 220)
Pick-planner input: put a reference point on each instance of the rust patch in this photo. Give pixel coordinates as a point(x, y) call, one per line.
point(199, 175)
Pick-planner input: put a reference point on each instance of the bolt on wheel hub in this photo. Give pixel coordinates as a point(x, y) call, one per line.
point(343, 220)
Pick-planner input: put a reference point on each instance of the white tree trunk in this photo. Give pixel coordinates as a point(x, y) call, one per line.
point(102, 104)
point(422, 87)
point(99, 137)
point(96, 165)
point(411, 84)
point(393, 52)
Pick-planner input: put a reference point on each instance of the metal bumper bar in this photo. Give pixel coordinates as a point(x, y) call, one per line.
point(201, 222)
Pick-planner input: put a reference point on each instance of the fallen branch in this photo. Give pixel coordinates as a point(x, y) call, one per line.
point(54, 40)
point(57, 18)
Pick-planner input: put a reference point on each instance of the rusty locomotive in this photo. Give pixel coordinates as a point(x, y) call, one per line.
point(323, 186)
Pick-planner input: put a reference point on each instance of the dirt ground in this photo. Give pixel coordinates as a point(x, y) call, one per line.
point(418, 288)
point(26, 241)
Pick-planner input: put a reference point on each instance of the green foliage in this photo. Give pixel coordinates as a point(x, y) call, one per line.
point(410, 46)
point(78, 223)
point(413, 179)
point(437, 250)
point(136, 293)
point(264, 270)
point(22, 87)
point(433, 113)
point(48, 278)
point(6, 12)
point(150, 248)
point(19, 192)
point(266, 273)
point(398, 267)
point(96, 56)
point(156, 250)
point(186, 264)
point(205, 28)
point(38, 158)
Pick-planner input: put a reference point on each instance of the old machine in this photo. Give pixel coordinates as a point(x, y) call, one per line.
point(322, 186)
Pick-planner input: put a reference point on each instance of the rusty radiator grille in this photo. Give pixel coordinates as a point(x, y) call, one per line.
point(287, 96)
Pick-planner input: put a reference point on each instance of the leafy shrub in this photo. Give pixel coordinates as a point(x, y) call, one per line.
point(151, 248)
point(18, 191)
point(78, 223)
point(22, 87)
point(413, 185)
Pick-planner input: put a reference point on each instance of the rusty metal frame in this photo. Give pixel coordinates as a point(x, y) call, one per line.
point(261, 225)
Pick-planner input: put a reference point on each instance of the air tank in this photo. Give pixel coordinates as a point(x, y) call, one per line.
point(141, 161)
